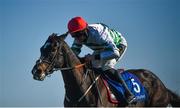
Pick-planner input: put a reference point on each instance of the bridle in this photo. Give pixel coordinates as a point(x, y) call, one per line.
point(50, 69)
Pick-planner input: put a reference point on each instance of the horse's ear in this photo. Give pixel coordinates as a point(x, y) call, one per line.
point(52, 37)
point(63, 36)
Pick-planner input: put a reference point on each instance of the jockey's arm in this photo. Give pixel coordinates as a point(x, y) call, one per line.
point(76, 47)
point(110, 52)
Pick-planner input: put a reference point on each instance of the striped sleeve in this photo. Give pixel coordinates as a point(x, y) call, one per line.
point(76, 47)
point(110, 52)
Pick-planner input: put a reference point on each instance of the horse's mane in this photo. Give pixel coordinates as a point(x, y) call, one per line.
point(54, 37)
point(74, 59)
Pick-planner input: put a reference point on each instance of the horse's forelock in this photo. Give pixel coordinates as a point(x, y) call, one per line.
point(52, 37)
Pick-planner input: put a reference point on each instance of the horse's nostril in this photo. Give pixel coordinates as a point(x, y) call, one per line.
point(35, 77)
point(38, 77)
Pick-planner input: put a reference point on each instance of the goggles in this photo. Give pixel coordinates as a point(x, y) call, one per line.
point(78, 34)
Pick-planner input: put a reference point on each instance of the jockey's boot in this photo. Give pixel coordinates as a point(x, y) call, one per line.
point(118, 77)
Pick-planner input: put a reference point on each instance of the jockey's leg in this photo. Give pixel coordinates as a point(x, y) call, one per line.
point(114, 74)
point(108, 67)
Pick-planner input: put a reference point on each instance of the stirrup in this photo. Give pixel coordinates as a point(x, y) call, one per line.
point(131, 99)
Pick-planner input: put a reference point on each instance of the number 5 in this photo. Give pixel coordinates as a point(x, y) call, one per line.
point(135, 86)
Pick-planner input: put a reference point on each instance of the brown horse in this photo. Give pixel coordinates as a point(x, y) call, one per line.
point(84, 87)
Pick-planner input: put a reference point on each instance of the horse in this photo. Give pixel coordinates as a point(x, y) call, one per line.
point(84, 87)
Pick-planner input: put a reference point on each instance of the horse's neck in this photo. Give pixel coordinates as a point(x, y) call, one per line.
point(71, 77)
point(75, 84)
point(70, 57)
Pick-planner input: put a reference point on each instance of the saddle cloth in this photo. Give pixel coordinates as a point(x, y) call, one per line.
point(116, 91)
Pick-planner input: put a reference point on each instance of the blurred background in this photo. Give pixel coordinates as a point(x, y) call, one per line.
point(151, 28)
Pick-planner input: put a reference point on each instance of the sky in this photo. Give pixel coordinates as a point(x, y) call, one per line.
point(151, 28)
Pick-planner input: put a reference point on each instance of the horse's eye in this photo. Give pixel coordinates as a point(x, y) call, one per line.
point(47, 45)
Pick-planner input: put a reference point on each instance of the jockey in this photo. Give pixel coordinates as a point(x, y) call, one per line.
point(108, 46)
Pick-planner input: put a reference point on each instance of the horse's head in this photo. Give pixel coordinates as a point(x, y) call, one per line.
point(51, 57)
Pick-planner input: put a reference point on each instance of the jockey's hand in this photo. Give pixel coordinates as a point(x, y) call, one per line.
point(89, 58)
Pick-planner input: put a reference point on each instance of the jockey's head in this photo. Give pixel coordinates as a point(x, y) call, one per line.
point(77, 27)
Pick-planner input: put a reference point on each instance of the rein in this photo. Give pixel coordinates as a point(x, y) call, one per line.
point(85, 93)
point(53, 61)
point(89, 88)
point(75, 67)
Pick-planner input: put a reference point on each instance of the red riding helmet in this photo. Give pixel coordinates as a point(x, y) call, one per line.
point(76, 24)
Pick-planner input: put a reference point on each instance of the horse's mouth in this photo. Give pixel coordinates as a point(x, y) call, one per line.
point(39, 77)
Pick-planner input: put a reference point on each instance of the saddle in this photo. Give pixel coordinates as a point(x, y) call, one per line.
point(116, 91)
